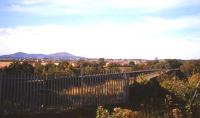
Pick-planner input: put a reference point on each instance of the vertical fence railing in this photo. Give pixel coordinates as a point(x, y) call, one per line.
point(21, 92)
point(1, 80)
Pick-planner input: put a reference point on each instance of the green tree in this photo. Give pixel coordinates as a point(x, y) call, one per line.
point(24, 67)
point(190, 67)
point(167, 64)
point(131, 63)
point(39, 69)
point(73, 71)
point(114, 67)
point(101, 62)
point(50, 69)
point(63, 66)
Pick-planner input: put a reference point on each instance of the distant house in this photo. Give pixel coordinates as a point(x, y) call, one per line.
point(74, 64)
point(56, 63)
point(44, 63)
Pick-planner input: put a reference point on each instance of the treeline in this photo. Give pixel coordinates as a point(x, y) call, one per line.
point(64, 67)
point(187, 67)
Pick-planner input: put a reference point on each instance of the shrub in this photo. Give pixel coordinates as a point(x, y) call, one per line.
point(179, 88)
point(124, 113)
point(185, 90)
point(102, 113)
point(194, 79)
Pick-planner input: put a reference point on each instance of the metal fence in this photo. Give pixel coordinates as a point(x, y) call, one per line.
point(32, 93)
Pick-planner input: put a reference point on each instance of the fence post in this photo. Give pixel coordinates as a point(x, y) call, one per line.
point(126, 88)
point(81, 87)
point(1, 78)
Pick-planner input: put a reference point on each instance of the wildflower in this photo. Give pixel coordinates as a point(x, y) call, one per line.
point(117, 110)
point(176, 113)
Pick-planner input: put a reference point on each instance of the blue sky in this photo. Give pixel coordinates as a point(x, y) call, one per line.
point(102, 28)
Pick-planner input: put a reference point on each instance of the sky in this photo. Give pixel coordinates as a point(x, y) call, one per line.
point(102, 28)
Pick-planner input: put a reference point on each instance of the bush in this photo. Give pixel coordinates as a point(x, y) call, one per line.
point(194, 79)
point(117, 113)
point(126, 113)
point(185, 90)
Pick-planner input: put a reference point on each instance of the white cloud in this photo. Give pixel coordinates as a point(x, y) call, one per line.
point(32, 2)
point(55, 7)
point(143, 39)
point(172, 24)
point(144, 4)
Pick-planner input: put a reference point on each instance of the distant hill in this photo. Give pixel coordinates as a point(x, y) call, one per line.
point(55, 56)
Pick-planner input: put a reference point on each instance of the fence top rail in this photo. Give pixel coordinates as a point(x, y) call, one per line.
point(133, 73)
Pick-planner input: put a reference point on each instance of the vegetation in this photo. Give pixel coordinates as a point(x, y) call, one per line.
point(169, 97)
point(187, 67)
point(127, 113)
